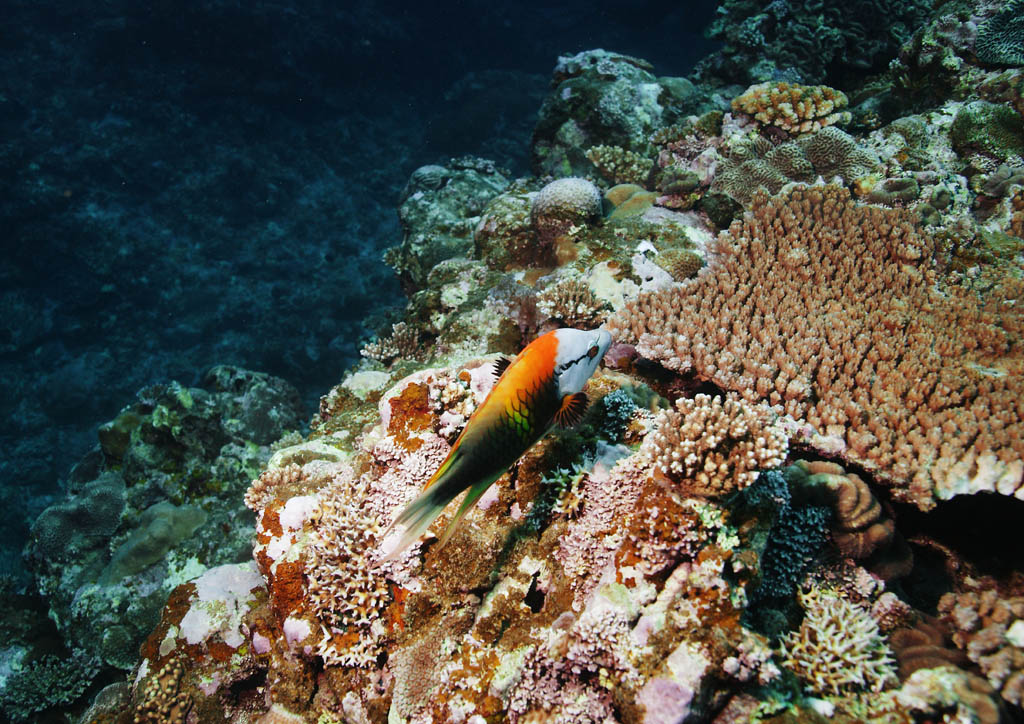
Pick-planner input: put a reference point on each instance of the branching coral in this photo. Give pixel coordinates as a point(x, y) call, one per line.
point(837, 649)
point(572, 303)
point(831, 310)
point(714, 446)
point(402, 343)
point(793, 107)
point(990, 629)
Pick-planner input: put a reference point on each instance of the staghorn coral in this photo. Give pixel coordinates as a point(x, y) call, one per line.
point(620, 166)
point(831, 310)
point(572, 303)
point(793, 107)
point(714, 446)
point(990, 630)
point(563, 204)
point(837, 649)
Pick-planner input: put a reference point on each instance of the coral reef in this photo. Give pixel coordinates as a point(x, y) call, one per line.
point(602, 99)
point(155, 505)
point(665, 559)
point(820, 337)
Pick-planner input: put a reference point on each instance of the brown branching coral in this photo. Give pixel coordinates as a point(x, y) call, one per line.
point(714, 446)
point(837, 648)
point(572, 303)
point(793, 107)
point(832, 310)
point(990, 630)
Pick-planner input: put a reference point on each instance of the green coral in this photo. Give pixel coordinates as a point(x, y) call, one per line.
point(620, 166)
point(49, 682)
point(989, 128)
point(1000, 39)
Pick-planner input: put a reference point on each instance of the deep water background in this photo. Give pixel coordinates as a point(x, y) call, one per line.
point(187, 184)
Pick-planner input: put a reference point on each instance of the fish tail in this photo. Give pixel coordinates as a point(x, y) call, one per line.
point(416, 518)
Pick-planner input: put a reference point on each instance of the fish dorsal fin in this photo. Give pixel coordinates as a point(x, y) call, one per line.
point(500, 365)
point(572, 409)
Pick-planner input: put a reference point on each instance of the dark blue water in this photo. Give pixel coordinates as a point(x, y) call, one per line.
point(188, 184)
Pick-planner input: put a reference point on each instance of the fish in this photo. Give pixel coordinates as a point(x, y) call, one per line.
point(542, 387)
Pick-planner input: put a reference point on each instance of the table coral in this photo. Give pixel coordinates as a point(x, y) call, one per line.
point(831, 310)
point(793, 107)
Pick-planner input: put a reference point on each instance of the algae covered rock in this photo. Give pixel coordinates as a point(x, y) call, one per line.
point(602, 98)
point(440, 207)
point(158, 504)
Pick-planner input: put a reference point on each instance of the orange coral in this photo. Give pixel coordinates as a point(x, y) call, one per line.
point(832, 310)
point(792, 107)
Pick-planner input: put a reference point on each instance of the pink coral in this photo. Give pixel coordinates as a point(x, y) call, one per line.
point(832, 310)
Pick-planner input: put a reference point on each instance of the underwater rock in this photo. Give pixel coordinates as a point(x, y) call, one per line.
point(602, 98)
point(439, 209)
point(163, 506)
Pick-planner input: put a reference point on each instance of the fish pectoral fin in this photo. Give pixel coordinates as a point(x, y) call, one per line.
point(572, 409)
point(500, 365)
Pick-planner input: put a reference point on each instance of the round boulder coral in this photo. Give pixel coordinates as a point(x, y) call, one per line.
point(562, 204)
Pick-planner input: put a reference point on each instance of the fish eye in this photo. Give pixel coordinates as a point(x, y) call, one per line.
point(592, 352)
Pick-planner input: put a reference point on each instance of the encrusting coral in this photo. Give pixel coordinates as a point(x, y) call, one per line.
point(793, 107)
point(831, 310)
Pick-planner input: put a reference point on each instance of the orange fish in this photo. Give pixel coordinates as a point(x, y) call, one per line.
point(538, 389)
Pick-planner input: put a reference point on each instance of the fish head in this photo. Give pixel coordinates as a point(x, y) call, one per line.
point(578, 355)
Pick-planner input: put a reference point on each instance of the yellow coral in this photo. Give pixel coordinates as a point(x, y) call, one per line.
point(792, 107)
point(838, 648)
